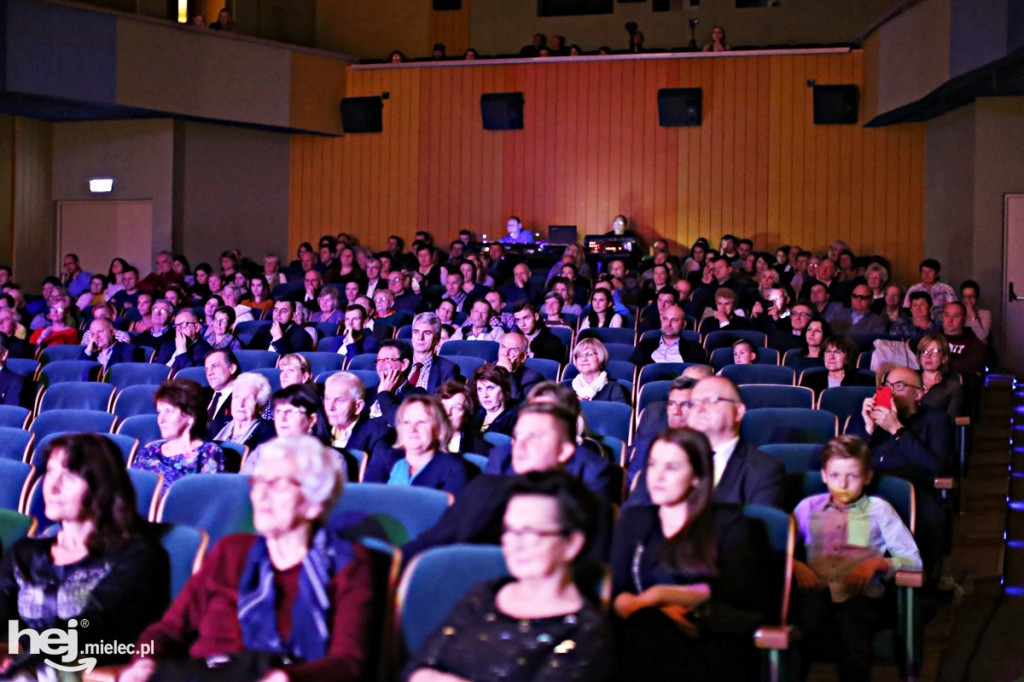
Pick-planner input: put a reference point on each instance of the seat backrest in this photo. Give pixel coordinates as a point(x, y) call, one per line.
point(498, 439)
point(271, 374)
point(651, 392)
point(608, 334)
point(487, 350)
point(59, 353)
point(467, 364)
point(77, 396)
point(798, 458)
point(185, 548)
point(619, 351)
point(14, 443)
point(403, 512)
point(133, 400)
point(661, 371)
point(127, 374)
point(726, 337)
point(251, 359)
point(245, 331)
point(843, 401)
point(196, 374)
point(61, 371)
point(607, 418)
point(128, 445)
point(142, 427)
point(774, 395)
point(435, 581)
point(787, 425)
point(759, 374)
point(546, 367)
point(14, 480)
point(564, 334)
point(366, 361)
point(781, 534)
point(148, 485)
point(76, 421)
point(26, 367)
point(720, 357)
point(216, 503)
point(14, 416)
point(14, 527)
point(320, 362)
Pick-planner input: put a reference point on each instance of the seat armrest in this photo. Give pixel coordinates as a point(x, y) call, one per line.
point(909, 579)
point(945, 483)
point(778, 637)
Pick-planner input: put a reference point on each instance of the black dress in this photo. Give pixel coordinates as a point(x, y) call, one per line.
point(652, 646)
point(479, 642)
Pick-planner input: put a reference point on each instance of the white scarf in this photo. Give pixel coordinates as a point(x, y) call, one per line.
point(587, 391)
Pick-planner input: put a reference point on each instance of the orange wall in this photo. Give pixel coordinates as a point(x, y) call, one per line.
point(592, 148)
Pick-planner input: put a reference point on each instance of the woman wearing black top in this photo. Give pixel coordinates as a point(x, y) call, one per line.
point(691, 580)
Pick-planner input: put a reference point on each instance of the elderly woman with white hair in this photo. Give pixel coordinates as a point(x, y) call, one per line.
point(590, 357)
point(249, 396)
point(293, 602)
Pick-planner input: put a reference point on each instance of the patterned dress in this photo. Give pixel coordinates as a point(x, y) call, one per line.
point(208, 458)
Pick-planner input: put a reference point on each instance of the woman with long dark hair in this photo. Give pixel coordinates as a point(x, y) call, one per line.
point(690, 577)
point(97, 568)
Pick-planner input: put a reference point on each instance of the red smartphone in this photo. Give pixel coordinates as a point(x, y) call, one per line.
point(883, 397)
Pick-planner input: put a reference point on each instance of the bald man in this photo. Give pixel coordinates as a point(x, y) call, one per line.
point(743, 474)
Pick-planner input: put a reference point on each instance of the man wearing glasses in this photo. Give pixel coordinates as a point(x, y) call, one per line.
point(859, 318)
point(743, 474)
point(190, 350)
point(789, 332)
point(915, 442)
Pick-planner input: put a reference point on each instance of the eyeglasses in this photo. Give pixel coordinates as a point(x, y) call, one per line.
point(289, 412)
point(274, 485)
point(795, 314)
point(931, 351)
point(182, 325)
point(900, 386)
point(711, 400)
point(584, 354)
point(531, 534)
point(861, 297)
point(835, 351)
point(380, 360)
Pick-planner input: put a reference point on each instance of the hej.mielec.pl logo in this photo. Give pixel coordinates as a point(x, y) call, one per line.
point(60, 646)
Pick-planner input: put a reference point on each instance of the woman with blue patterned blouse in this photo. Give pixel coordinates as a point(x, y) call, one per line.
point(181, 416)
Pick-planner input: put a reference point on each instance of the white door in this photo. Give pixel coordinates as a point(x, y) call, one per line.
point(100, 230)
point(1011, 349)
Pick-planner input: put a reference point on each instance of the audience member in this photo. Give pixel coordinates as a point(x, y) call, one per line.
point(590, 358)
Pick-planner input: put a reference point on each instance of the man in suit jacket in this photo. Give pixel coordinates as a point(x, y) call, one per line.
point(189, 349)
point(429, 371)
point(743, 474)
point(859, 319)
point(724, 316)
point(543, 344)
point(104, 349)
point(221, 371)
point(512, 356)
point(161, 336)
point(284, 336)
point(545, 442)
point(344, 400)
point(11, 383)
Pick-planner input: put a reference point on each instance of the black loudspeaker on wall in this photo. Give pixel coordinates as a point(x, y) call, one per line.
point(835, 104)
point(446, 5)
point(362, 114)
point(679, 107)
point(502, 110)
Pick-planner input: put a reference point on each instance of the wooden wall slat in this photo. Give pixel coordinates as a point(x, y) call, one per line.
point(592, 147)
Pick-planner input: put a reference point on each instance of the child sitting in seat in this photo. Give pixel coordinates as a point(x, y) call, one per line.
point(852, 542)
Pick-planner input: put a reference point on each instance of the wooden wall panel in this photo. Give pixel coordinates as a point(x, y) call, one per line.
point(592, 148)
point(451, 28)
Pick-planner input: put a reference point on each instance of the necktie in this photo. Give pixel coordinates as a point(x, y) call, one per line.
point(414, 378)
point(211, 411)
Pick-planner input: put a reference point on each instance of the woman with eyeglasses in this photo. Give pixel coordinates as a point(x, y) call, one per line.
point(691, 580)
point(295, 601)
point(219, 334)
point(839, 356)
point(182, 448)
point(420, 455)
point(296, 411)
point(590, 357)
point(57, 332)
point(941, 390)
point(537, 625)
